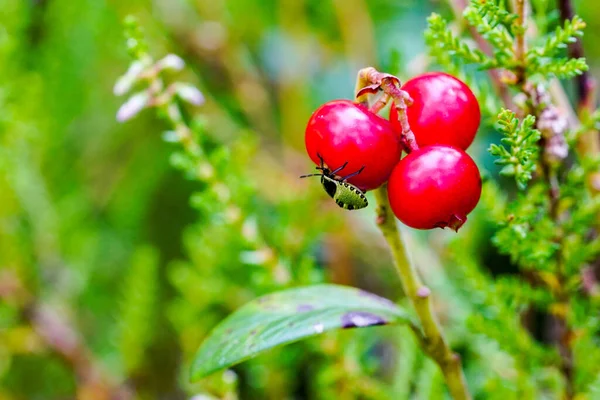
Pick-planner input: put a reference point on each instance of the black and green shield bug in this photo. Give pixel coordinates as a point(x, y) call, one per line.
point(345, 194)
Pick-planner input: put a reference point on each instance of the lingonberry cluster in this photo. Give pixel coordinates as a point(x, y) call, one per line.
point(436, 184)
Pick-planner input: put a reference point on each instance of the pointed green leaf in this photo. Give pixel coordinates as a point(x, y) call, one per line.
point(288, 316)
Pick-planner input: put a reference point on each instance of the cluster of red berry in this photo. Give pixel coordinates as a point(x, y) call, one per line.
point(436, 185)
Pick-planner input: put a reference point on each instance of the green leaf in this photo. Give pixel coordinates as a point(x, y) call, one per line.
point(287, 316)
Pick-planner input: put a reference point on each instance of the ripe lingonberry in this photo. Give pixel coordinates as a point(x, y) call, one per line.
point(444, 110)
point(434, 187)
point(343, 132)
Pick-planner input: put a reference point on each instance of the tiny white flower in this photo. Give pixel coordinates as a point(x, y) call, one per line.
point(125, 82)
point(132, 106)
point(171, 61)
point(190, 93)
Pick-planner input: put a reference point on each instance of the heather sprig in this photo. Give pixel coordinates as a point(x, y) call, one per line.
point(519, 149)
point(545, 228)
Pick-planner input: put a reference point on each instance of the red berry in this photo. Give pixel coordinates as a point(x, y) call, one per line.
point(444, 110)
point(434, 187)
point(341, 131)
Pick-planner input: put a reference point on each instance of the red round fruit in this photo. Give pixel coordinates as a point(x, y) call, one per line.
point(434, 187)
point(444, 110)
point(342, 132)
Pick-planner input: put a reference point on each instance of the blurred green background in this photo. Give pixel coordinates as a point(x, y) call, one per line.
point(97, 227)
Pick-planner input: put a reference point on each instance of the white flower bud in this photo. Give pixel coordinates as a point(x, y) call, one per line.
point(133, 106)
point(172, 62)
point(125, 82)
point(190, 93)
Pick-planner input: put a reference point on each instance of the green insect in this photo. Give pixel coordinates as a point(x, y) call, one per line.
point(345, 194)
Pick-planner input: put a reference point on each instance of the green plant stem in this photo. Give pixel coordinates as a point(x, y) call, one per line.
point(430, 336)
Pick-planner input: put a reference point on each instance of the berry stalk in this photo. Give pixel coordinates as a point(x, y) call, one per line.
point(431, 336)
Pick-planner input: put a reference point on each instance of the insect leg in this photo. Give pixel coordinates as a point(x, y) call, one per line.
point(322, 162)
point(353, 174)
point(339, 169)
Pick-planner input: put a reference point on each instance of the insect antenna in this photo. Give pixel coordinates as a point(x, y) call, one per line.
point(306, 176)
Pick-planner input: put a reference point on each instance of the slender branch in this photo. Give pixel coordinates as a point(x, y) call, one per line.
point(520, 9)
point(431, 336)
point(586, 84)
point(555, 151)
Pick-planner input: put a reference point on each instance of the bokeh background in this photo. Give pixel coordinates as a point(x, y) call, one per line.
point(134, 263)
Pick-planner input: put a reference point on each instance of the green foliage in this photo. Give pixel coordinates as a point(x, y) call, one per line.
point(494, 13)
point(520, 158)
point(515, 359)
point(499, 28)
point(287, 316)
